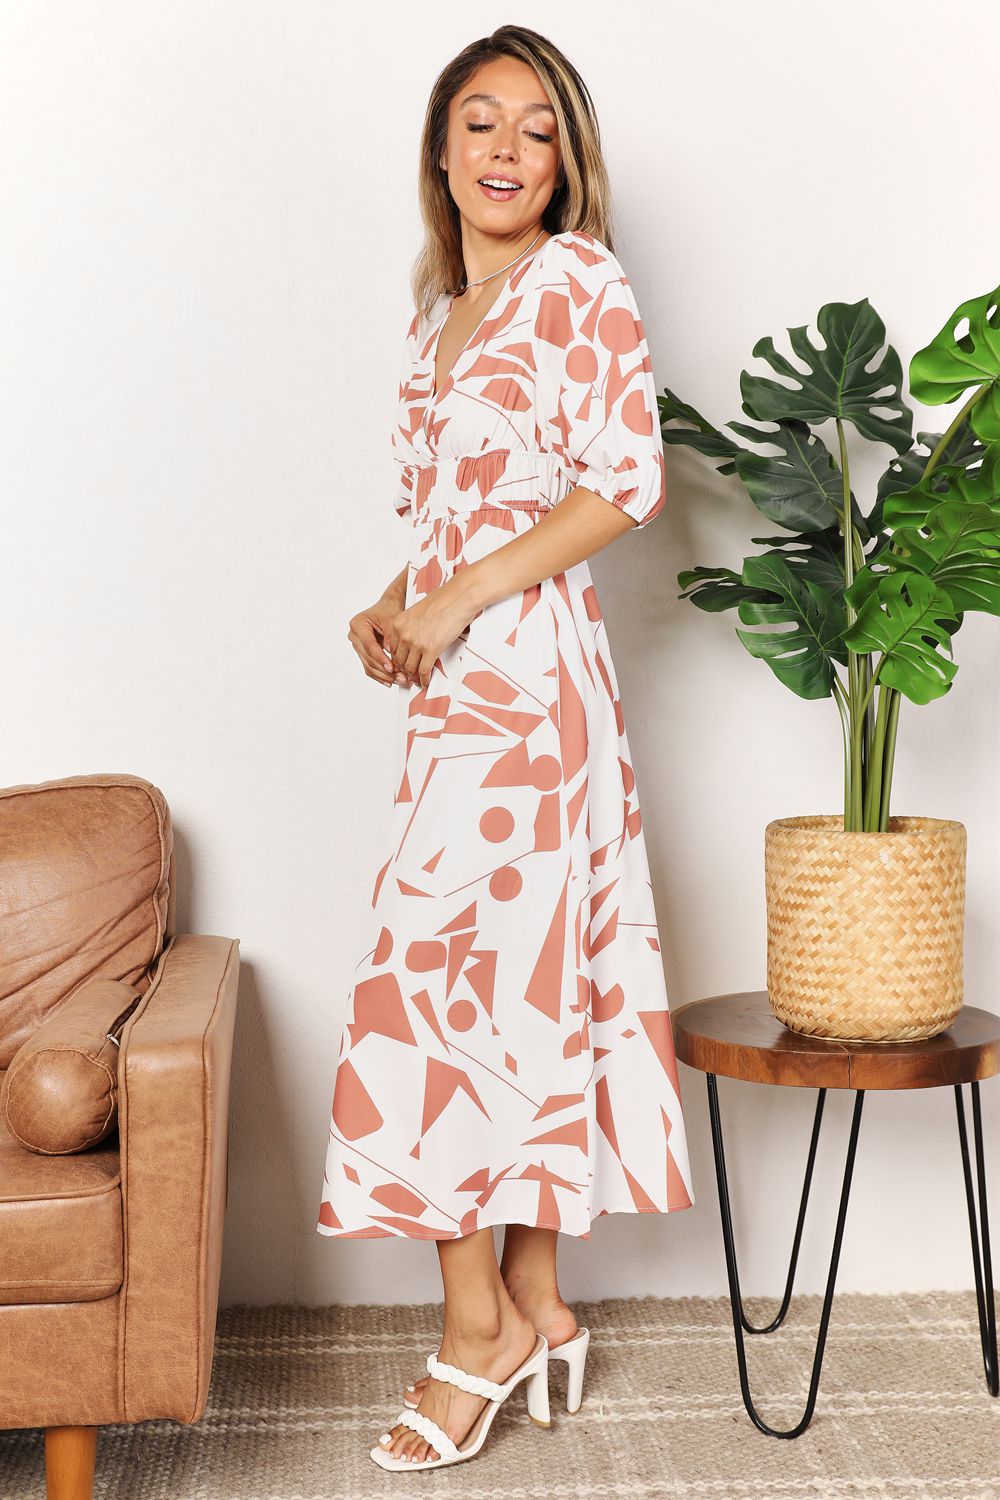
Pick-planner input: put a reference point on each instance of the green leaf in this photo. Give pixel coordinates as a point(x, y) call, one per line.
point(837, 383)
point(816, 555)
point(954, 557)
point(909, 508)
point(907, 469)
point(906, 616)
point(716, 589)
point(952, 535)
point(701, 435)
point(801, 487)
point(959, 358)
point(802, 658)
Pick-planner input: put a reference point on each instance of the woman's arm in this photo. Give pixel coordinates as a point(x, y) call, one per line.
point(396, 590)
point(576, 528)
point(571, 531)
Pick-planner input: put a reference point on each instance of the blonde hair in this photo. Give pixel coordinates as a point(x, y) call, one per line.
point(582, 197)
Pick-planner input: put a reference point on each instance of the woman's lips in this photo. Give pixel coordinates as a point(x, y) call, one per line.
point(499, 195)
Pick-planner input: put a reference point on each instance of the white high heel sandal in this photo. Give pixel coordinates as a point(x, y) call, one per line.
point(534, 1370)
point(574, 1352)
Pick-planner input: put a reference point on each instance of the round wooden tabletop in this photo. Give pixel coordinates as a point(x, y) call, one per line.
point(739, 1036)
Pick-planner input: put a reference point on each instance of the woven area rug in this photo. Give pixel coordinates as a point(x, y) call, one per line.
point(298, 1397)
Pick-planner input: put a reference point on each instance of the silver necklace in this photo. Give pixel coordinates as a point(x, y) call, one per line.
point(507, 267)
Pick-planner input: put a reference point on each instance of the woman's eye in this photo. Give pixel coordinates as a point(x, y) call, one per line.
point(536, 135)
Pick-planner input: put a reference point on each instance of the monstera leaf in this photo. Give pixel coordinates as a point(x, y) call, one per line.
point(955, 361)
point(801, 658)
point(907, 469)
point(952, 536)
point(700, 435)
point(800, 487)
point(813, 555)
point(716, 589)
point(816, 555)
point(908, 617)
point(837, 383)
point(953, 555)
point(909, 509)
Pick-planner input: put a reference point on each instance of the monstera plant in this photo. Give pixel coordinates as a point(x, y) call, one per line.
point(861, 605)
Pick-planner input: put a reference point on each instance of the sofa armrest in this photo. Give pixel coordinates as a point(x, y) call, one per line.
point(173, 1108)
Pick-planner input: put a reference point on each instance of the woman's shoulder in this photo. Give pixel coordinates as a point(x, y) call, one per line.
point(583, 256)
point(424, 320)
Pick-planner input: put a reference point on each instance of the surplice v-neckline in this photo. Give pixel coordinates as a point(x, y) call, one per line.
point(438, 392)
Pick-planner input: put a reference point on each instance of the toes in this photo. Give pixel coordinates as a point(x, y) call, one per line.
point(414, 1450)
point(400, 1436)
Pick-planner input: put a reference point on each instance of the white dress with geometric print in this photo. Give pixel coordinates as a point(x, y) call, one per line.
point(507, 1055)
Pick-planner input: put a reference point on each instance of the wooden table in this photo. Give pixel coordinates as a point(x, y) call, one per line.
point(738, 1036)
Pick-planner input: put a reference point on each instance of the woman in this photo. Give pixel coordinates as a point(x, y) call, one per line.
point(507, 1057)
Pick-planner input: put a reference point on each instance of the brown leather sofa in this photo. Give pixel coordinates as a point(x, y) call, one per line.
point(110, 1252)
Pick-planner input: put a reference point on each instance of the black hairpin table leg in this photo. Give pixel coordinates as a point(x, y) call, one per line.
point(985, 1303)
point(739, 1319)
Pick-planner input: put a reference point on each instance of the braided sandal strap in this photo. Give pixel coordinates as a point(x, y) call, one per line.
point(476, 1385)
point(430, 1431)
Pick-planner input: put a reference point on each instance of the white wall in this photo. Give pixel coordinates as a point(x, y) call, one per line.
point(209, 214)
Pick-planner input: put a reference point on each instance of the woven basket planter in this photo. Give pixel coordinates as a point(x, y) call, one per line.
point(865, 930)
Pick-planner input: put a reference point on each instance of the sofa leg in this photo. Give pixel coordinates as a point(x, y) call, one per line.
point(70, 1453)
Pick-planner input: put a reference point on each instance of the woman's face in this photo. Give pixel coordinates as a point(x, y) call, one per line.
point(501, 126)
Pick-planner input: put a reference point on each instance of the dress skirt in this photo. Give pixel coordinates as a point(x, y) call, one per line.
point(507, 1055)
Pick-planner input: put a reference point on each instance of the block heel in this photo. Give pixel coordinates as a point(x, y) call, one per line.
point(574, 1352)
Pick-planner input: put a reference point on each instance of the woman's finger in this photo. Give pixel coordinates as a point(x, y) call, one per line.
point(376, 663)
point(369, 640)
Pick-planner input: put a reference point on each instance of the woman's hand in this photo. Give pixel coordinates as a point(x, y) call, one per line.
point(417, 636)
point(367, 634)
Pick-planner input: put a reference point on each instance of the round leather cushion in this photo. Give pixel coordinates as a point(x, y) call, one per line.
point(60, 1093)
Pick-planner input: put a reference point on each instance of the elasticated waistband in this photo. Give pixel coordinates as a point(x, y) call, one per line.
point(499, 478)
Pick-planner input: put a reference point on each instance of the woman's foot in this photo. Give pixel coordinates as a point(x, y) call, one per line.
point(494, 1352)
point(545, 1310)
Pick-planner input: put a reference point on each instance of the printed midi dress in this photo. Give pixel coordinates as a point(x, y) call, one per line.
point(507, 1055)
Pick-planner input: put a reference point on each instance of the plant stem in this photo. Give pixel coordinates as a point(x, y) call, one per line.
point(873, 801)
point(841, 702)
point(878, 772)
point(853, 802)
point(872, 680)
point(953, 427)
point(868, 742)
point(890, 751)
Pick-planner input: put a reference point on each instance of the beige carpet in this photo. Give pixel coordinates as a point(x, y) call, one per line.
point(299, 1396)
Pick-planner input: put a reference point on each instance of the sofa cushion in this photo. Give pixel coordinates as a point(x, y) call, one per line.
point(60, 1223)
point(84, 886)
point(60, 1092)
